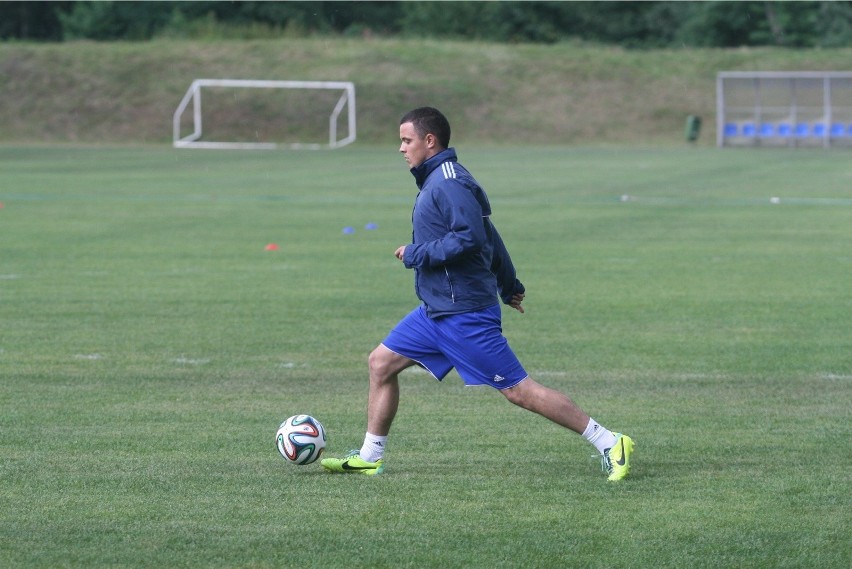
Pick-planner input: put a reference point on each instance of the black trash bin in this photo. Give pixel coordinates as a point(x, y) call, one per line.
point(693, 128)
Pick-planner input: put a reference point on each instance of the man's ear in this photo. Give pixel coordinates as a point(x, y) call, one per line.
point(430, 140)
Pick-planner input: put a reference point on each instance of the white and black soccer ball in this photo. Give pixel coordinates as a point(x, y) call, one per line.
point(300, 439)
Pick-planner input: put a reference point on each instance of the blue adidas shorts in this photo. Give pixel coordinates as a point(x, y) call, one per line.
point(471, 342)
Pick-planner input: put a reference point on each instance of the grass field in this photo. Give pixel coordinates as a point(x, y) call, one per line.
point(150, 346)
point(565, 93)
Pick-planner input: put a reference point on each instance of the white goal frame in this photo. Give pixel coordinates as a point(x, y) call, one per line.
point(193, 95)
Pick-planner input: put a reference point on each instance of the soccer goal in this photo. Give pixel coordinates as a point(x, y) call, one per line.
point(805, 108)
point(259, 114)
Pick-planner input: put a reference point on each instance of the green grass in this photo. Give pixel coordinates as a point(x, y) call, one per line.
point(150, 346)
point(566, 93)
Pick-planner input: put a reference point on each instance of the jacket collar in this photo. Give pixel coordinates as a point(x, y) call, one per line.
point(422, 172)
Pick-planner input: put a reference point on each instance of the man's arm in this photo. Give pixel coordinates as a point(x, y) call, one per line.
point(461, 214)
point(511, 289)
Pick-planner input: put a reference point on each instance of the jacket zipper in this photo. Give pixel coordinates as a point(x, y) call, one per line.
point(450, 282)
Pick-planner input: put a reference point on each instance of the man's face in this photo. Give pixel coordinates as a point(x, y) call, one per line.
point(415, 149)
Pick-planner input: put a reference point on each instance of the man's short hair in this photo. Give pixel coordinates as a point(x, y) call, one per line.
point(428, 120)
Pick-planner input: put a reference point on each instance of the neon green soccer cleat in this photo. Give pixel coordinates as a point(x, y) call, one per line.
point(353, 464)
point(616, 461)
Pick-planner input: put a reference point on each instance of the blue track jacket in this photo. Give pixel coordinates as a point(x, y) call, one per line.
point(460, 262)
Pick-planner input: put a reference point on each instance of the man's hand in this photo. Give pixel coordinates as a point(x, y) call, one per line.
point(517, 299)
point(400, 252)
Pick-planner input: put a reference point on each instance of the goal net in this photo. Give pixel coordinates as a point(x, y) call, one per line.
point(258, 114)
point(805, 108)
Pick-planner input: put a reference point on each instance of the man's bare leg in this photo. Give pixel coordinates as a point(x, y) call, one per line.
point(548, 403)
point(383, 399)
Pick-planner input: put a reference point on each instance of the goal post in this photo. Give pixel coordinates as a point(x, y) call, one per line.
point(784, 109)
point(346, 103)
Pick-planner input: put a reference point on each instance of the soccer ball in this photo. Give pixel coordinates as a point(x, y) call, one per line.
point(300, 439)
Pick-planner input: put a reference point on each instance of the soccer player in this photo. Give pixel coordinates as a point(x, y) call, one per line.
point(461, 272)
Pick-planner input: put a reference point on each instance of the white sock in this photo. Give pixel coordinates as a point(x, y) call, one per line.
point(602, 438)
point(373, 448)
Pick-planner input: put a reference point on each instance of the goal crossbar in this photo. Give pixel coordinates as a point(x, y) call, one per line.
point(193, 95)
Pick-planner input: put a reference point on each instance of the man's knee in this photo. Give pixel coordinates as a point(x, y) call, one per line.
point(385, 364)
point(519, 394)
point(377, 362)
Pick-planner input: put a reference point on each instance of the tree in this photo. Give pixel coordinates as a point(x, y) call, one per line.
point(629, 24)
point(114, 20)
point(31, 20)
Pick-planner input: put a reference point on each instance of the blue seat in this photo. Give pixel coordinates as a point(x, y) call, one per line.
point(802, 129)
point(730, 129)
point(748, 129)
point(767, 129)
point(838, 129)
point(819, 129)
point(785, 129)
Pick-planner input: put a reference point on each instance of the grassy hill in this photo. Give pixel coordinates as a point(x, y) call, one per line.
point(551, 94)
